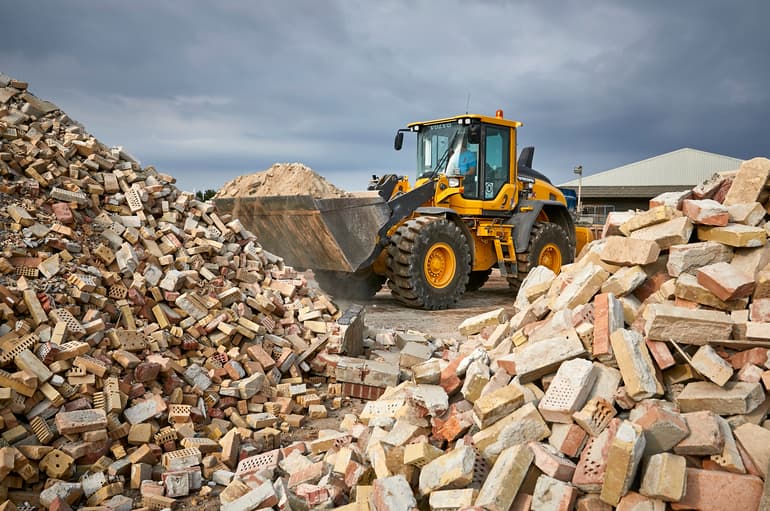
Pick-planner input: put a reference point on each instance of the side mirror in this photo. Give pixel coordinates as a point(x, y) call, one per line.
point(399, 142)
point(474, 134)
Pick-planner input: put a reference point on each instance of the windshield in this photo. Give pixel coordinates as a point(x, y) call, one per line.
point(439, 147)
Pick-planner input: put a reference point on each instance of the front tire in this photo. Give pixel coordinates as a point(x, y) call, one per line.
point(549, 245)
point(429, 261)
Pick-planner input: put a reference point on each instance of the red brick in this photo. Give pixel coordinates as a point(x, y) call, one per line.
point(311, 474)
point(361, 391)
point(709, 490)
point(756, 356)
point(661, 354)
point(651, 285)
point(449, 380)
point(727, 282)
point(507, 364)
point(574, 441)
point(759, 310)
point(63, 212)
point(697, 212)
point(601, 345)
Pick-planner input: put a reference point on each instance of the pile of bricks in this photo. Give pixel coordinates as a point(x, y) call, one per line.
point(147, 344)
point(635, 380)
point(150, 350)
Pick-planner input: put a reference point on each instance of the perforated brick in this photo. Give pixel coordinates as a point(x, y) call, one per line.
point(73, 325)
point(14, 348)
point(595, 416)
point(384, 408)
point(568, 391)
point(134, 201)
point(182, 458)
point(42, 430)
point(179, 413)
point(68, 196)
point(264, 461)
point(117, 292)
point(26, 271)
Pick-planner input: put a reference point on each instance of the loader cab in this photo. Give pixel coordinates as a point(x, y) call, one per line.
point(476, 153)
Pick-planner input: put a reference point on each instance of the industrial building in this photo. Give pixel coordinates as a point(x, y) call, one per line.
point(631, 186)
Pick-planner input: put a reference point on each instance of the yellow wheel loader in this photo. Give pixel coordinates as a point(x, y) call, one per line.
point(474, 206)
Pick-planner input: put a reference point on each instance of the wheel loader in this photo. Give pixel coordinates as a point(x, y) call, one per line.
point(474, 206)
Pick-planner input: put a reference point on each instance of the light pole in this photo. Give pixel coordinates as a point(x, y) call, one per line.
point(579, 171)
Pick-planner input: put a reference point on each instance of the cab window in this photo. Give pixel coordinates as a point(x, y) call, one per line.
point(496, 156)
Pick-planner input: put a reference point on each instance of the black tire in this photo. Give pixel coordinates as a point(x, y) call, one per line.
point(409, 247)
point(361, 285)
point(477, 279)
point(544, 234)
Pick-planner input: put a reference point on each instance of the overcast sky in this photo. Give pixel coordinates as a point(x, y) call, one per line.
point(207, 91)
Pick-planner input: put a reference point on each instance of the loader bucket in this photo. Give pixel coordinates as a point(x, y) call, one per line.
point(323, 234)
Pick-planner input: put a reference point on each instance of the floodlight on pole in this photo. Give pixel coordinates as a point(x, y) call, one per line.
point(579, 171)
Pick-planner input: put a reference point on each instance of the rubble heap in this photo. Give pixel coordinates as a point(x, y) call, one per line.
point(635, 379)
point(140, 331)
point(281, 179)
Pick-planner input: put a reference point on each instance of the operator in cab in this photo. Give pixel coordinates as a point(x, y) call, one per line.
point(463, 162)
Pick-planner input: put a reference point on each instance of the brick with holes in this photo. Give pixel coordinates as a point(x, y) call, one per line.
point(568, 391)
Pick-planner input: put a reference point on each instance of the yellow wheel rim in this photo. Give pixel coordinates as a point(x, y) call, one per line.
point(550, 257)
point(440, 265)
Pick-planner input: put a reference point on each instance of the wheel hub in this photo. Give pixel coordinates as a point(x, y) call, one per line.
point(550, 257)
point(440, 265)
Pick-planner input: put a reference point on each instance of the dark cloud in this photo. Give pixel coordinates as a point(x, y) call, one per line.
point(210, 90)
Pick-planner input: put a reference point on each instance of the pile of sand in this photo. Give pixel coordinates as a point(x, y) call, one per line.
point(281, 179)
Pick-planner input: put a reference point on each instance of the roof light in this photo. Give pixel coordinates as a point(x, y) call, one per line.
point(499, 113)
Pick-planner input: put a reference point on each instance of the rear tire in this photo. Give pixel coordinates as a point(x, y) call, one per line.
point(429, 261)
point(477, 279)
point(361, 285)
point(549, 245)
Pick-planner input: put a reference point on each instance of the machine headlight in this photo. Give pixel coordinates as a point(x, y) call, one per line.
point(454, 182)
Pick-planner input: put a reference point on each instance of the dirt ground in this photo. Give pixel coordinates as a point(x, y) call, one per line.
point(383, 311)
